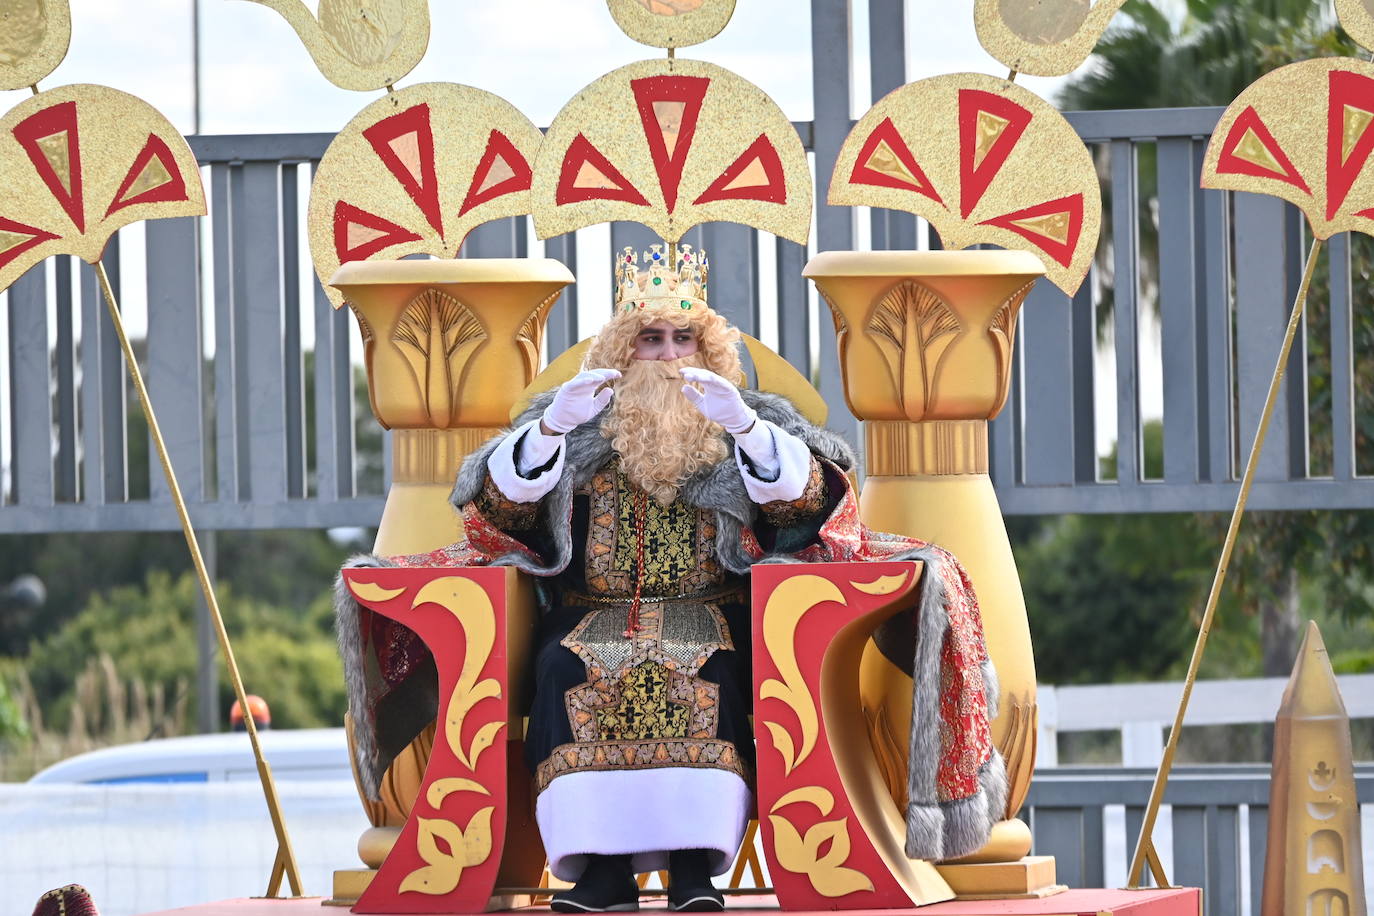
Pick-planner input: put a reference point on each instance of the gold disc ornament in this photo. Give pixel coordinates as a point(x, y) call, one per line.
point(34, 35)
point(671, 23)
point(1304, 133)
point(671, 144)
point(1357, 18)
point(415, 172)
point(77, 163)
point(1042, 37)
point(985, 162)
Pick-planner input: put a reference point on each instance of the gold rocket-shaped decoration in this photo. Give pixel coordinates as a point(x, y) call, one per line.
point(1313, 863)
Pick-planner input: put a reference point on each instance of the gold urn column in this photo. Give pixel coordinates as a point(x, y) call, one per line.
point(449, 346)
point(925, 343)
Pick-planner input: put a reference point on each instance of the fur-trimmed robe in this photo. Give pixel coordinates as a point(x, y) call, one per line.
point(956, 780)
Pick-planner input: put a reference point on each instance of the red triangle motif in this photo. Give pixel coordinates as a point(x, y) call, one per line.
point(687, 93)
point(977, 171)
point(760, 156)
point(58, 124)
point(1059, 245)
point(358, 235)
point(867, 172)
point(1346, 90)
point(405, 144)
point(169, 191)
point(608, 184)
point(500, 157)
point(34, 238)
point(1233, 162)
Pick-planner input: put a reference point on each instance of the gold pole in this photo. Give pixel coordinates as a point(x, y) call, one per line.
point(285, 862)
point(1144, 848)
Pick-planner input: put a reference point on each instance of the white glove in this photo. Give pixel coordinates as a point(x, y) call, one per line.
point(576, 403)
point(719, 401)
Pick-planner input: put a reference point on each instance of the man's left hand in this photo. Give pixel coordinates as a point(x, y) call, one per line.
point(718, 400)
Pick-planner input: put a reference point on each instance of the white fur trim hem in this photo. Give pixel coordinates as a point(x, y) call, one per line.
point(520, 489)
point(646, 813)
point(791, 458)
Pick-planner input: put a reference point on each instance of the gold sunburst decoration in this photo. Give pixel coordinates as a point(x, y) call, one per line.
point(1304, 133)
point(671, 23)
point(34, 35)
point(77, 163)
point(415, 172)
point(671, 144)
point(360, 44)
point(986, 162)
point(1042, 37)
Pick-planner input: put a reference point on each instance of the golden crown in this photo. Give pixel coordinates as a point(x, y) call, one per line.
point(676, 280)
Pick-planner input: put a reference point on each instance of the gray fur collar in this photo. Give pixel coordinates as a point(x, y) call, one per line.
point(719, 488)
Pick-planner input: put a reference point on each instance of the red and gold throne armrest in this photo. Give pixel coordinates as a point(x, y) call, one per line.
point(832, 834)
point(471, 826)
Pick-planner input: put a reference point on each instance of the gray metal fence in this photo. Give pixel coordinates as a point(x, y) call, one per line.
point(1219, 817)
point(258, 444)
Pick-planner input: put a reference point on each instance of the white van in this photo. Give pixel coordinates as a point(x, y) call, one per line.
point(294, 754)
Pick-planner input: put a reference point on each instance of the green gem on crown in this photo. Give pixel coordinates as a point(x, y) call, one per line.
point(686, 304)
point(658, 281)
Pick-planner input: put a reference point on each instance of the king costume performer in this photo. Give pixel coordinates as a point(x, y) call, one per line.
point(639, 493)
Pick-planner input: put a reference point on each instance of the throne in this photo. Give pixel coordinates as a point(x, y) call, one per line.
point(455, 831)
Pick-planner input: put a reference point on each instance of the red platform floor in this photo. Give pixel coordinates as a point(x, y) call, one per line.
point(1185, 901)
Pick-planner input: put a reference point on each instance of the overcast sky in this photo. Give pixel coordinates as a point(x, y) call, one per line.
point(256, 76)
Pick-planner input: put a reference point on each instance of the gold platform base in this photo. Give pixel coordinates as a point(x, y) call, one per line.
point(349, 884)
point(1030, 877)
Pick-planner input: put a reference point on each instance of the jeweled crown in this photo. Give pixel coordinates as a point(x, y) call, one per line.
point(673, 280)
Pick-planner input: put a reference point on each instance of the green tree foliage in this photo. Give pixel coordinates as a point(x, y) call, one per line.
point(149, 633)
point(1205, 52)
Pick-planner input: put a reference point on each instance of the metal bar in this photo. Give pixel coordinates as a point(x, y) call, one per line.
point(502, 238)
point(223, 182)
point(293, 368)
point(1223, 859)
point(1190, 849)
point(1342, 359)
point(258, 314)
point(1059, 833)
point(892, 230)
point(174, 352)
point(92, 392)
point(561, 331)
point(1094, 868)
point(734, 283)
point(1178, 310)
point(1084, 345)
point(794, 313)
point(1047, 326)
point(1261, 279)
point(65, 484)
point(114, 418)
point(1215, 409)
point(1125, 295)
point(30, 401)
point(334, 431)
point(1160, 123)
point(830, 81)
point(1295, 395)
point(1258, 827)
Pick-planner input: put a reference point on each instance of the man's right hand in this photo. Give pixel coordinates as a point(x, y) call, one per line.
point(577, 401)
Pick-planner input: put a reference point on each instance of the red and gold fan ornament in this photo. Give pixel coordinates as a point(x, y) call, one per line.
point(1304, 133)
point(986, 162)
point(415, 172)
point(671, 144)
point(79, 162)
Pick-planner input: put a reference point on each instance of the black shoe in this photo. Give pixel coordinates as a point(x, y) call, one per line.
point(689, 883)
point(607, 885)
